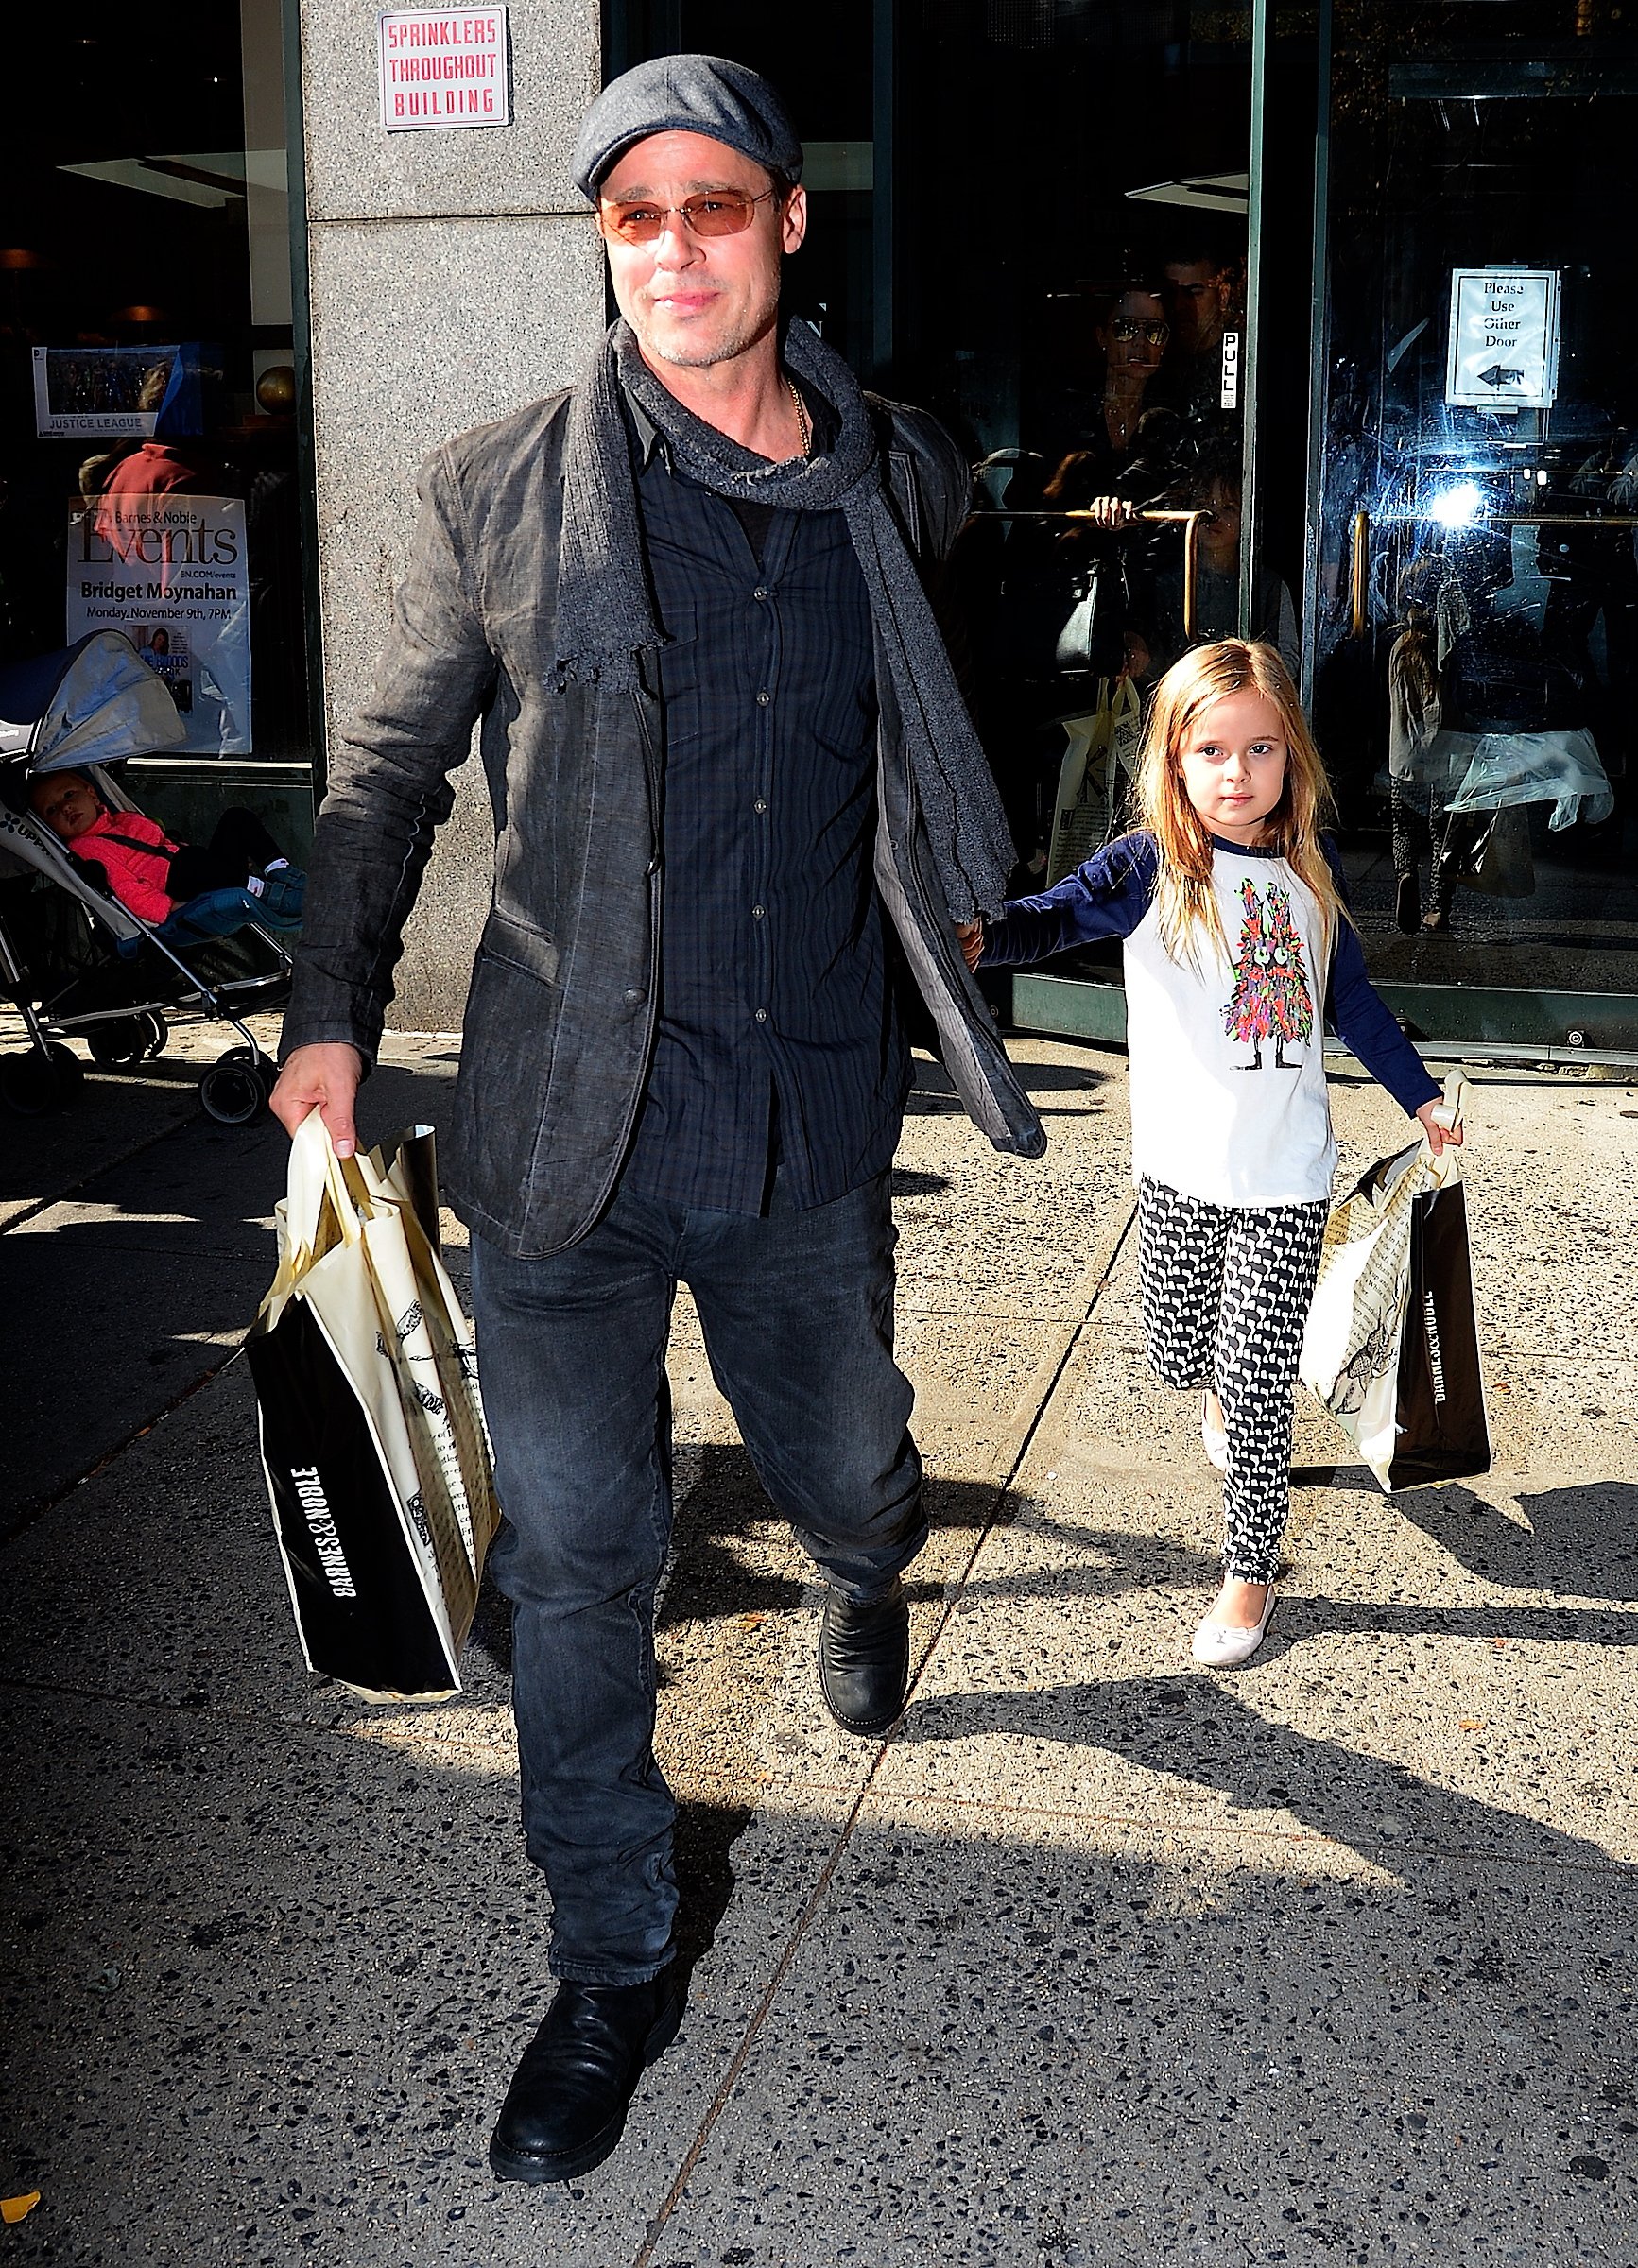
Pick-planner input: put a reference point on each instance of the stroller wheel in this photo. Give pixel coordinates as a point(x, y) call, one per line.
point(119, 1045)
point(157, 1029)
point(33, 1084)
point(263, 1066)
point(233, 1091)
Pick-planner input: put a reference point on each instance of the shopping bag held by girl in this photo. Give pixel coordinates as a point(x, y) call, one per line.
point(1391, 1345)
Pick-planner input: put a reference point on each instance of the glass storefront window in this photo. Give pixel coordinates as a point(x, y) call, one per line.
point(1049, 242)
point(148, 477)
point(1476, 583)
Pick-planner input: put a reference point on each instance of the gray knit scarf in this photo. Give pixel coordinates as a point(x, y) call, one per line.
point(606, 611)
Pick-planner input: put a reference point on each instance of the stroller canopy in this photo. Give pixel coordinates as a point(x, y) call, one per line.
point(95, 702)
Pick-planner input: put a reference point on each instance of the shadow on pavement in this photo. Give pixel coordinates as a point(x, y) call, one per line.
point(1194, 1728)
point(133, 1286)
point(1581, 1542)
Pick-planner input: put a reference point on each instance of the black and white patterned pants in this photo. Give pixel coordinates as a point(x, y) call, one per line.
point(1226, 1294)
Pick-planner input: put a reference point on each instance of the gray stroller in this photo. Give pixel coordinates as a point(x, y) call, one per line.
point(73, 959)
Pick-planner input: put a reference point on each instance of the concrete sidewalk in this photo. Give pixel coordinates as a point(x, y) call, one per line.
point(1099, 1959)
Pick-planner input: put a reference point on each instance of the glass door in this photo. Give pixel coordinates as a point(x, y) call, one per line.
point(1473, 582)
point(1069, 260)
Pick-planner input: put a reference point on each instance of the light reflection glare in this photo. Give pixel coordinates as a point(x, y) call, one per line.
point(1458, 507)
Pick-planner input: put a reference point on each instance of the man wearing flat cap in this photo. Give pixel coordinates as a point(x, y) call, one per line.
point(738, 802)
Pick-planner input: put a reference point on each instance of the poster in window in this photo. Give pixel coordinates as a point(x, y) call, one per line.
point(170, 570)
point(118, 392)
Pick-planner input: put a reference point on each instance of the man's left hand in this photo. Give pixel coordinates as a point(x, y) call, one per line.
point(972, 936)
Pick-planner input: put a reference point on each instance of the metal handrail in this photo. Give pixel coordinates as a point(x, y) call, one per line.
point(1190, 523)
point(1361, 560)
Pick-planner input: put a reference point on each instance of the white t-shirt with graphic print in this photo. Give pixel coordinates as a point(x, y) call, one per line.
point(1228, 1074)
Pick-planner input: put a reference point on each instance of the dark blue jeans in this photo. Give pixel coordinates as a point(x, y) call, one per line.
point(797, 1310)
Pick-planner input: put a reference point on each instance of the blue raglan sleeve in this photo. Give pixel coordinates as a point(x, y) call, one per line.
point(1361, 1020)
point(1107, 897)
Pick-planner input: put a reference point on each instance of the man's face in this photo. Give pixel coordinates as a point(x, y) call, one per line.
point(695, 300)
point(1196, 300)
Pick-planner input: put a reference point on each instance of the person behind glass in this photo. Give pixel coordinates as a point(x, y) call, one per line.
point(1238, 946)
point(1426, 763)
point(1198, 290)
point(163, 464)
point(1214, 487)
point(185, 891)
point(1132, 335)
point(738, 789)
point(1093, 523)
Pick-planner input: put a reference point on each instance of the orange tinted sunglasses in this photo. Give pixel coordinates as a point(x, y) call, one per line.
point(713, 213)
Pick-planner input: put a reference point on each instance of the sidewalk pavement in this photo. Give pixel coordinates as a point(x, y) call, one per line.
point(1100, 1959)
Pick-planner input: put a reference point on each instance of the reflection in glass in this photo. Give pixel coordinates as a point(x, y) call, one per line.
point(1476, 586)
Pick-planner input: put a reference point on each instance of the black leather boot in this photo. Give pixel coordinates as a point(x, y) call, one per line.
point(565, 2108)
point(864, 1659)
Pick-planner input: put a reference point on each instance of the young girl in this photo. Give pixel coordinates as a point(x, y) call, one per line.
point(1238, 947)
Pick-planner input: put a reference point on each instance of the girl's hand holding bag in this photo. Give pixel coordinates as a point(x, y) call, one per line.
point(1391, 1347)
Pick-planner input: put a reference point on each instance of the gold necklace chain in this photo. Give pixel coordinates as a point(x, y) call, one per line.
point(803, 423)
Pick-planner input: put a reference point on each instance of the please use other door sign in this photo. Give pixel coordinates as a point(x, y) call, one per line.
point(443, 67)
point(1504, 339)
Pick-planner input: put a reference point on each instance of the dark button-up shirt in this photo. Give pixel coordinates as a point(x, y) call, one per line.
point(779, 1046)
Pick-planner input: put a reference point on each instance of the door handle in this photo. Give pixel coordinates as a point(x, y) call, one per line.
point(1362, 543)
point(1190, 522)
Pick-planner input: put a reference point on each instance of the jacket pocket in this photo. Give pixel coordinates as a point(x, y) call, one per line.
point(902, 487)
point(521, 946)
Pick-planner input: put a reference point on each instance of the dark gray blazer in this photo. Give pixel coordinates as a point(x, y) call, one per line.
point(560, 1020)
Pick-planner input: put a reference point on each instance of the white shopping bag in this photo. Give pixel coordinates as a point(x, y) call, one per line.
point(1101, 750)
point(1391, 1345)
point(372, 1433)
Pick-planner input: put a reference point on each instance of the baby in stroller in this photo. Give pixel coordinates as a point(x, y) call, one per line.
point(186, 891)
point(110, 929)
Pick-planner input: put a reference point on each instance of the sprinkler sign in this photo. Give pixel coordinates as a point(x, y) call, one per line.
point(443, 67)
point(1504, 339)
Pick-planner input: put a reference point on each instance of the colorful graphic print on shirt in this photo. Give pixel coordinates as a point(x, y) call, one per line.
point(1271, 999)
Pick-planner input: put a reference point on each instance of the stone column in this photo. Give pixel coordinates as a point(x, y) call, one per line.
point(454, 277)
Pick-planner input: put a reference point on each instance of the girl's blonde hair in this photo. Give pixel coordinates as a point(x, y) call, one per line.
point(1205, 675)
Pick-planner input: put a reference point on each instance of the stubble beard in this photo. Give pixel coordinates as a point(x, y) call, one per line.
point(684, 353)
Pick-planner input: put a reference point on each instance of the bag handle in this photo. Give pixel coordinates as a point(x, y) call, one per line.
point(1449, 1115)
point(317, 1178)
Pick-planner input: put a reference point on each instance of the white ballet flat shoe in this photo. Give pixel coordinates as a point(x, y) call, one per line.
point(1214, 1439)
point(1225, 1645)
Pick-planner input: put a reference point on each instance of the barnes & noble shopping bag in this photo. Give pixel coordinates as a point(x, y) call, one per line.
point(373, 1433)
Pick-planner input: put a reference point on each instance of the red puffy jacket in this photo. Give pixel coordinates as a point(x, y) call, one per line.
point(135, 853)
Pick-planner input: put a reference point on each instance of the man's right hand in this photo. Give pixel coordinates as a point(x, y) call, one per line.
point(324, 1078)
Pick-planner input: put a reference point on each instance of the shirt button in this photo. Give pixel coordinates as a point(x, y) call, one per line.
point(758, 593)
point(763, 700)
point(756, 913)
point(633, 997)
point(760, 804)
point(761, 1015)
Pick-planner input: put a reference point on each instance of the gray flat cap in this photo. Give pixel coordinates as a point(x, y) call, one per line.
point(691, 95)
